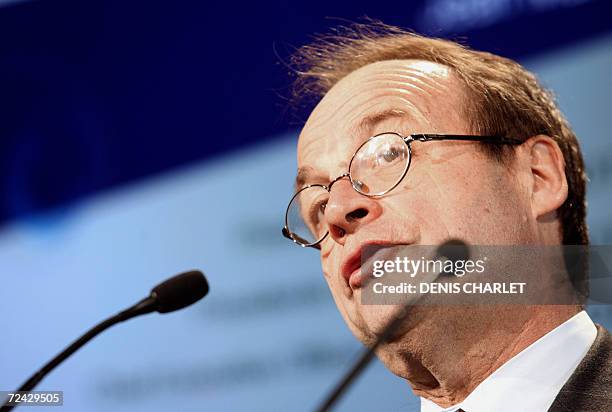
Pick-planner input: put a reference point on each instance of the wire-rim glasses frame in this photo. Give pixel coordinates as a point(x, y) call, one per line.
point(407, 140)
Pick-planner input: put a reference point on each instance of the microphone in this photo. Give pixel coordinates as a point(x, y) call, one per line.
point(453, 250)
point(173, 294)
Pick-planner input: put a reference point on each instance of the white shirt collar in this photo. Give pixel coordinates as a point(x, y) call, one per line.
point(531, 380)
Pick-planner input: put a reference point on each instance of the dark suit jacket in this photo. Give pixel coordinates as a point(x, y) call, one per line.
point(590, 386)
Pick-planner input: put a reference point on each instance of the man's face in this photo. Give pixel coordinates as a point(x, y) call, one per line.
point(452, 190)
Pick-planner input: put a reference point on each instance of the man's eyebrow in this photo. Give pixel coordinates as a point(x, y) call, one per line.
point(369, 122)
point(308, 175)
point(303, 176)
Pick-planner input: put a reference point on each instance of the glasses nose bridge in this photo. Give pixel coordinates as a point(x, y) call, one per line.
point(342, 176)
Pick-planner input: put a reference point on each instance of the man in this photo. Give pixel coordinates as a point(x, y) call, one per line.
point(528, 187)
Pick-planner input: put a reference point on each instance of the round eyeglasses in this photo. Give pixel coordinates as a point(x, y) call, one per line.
point(376, 168)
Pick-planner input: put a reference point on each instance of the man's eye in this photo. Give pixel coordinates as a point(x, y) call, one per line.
point(316, 212)
point(390, 154)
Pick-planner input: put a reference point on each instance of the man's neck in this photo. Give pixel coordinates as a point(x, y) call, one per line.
point(447, 374)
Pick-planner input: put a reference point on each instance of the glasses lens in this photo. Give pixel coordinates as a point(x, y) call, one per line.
point(305, 219)
point(380, 164)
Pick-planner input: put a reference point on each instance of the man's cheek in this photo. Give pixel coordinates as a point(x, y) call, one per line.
point(330, 260)
point(325, 252)
point(334, 281)
point(328, 273)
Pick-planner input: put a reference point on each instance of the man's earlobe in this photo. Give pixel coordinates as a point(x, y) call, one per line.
point(549, 190)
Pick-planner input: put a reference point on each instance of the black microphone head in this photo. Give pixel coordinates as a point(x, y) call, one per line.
point(180, 291)
point(454, 250)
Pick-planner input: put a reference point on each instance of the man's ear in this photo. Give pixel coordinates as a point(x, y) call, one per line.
point(549, 184)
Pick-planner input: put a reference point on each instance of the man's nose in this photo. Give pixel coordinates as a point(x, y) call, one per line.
point(347, 210)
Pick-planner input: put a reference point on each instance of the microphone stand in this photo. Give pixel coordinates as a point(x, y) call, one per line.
point(146, 305)
point(364, 360)
point(172, 294)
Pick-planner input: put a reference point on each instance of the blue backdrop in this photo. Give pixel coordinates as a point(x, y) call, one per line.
point(140, 139)
point(99, 93)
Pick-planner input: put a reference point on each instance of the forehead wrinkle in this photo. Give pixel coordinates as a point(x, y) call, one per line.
point(416, 87)
point(418, 67)
point(388, 85)
point(434, 80)
point(382, 98)
point(424, 90)
point(368, 118)
point(442, 77)
point(422, 84)
point(406, 80)
point(408, 74)
point(364, 123)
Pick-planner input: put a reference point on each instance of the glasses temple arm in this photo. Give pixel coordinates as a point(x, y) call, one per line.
point(471, 138)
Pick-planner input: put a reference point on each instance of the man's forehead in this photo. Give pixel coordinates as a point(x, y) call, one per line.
point(351, 102)
point(421, 75)
point(422, 67)
point(414, 91)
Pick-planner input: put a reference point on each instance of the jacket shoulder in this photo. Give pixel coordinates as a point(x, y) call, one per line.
point(590, 386)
